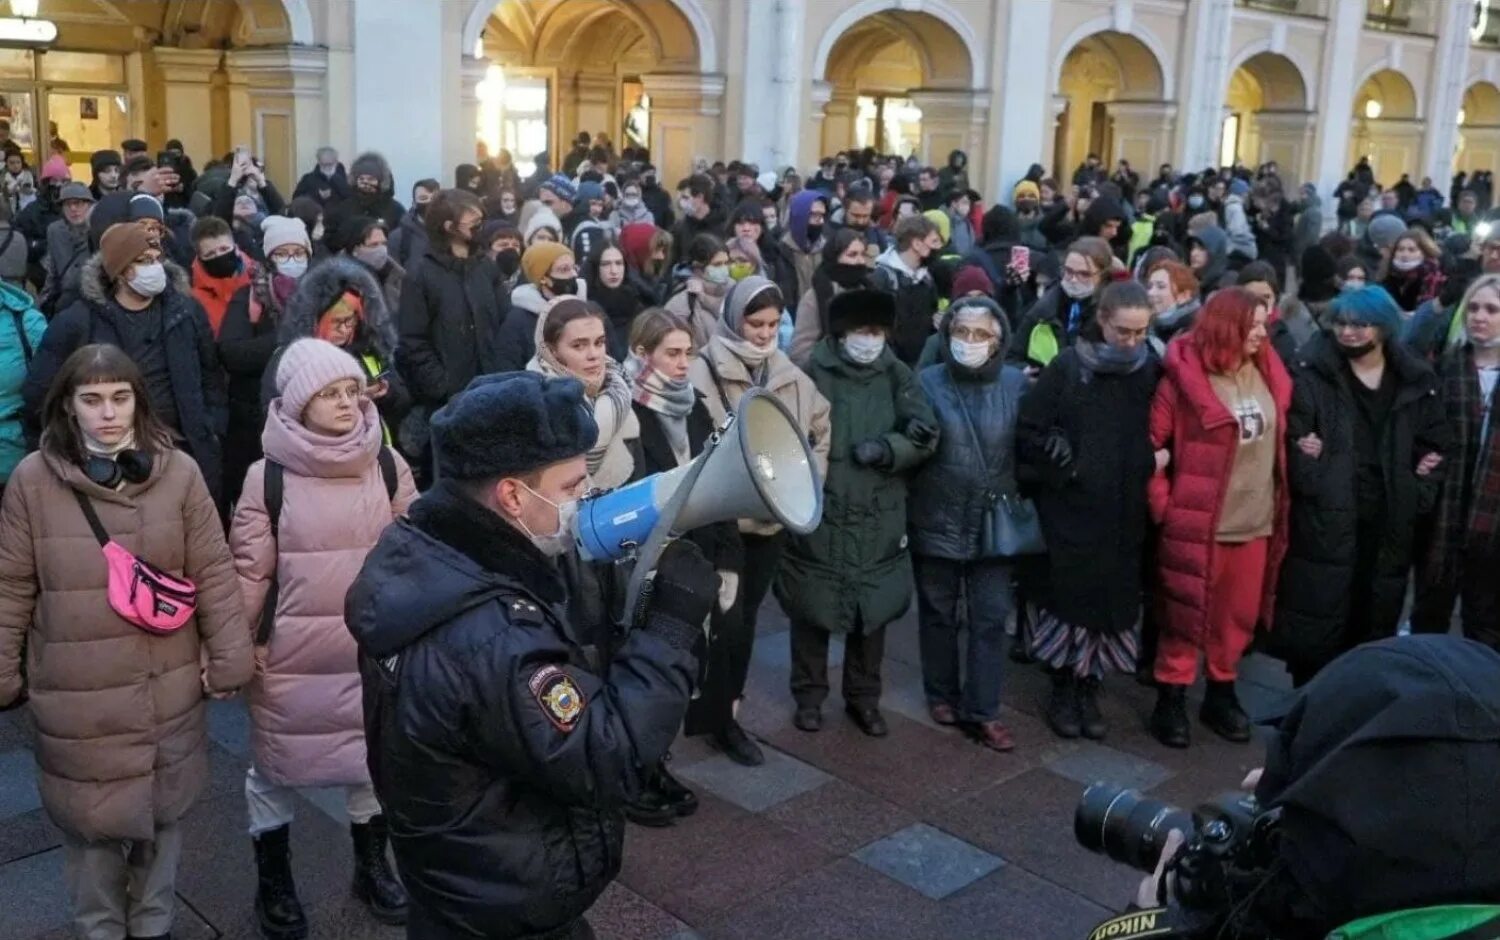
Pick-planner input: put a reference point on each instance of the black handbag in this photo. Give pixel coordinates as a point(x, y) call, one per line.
point(1010, 527)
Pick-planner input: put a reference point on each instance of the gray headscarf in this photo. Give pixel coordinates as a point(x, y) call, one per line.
point(732, 320)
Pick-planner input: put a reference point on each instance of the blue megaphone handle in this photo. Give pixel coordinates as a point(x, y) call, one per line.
point(613, 524)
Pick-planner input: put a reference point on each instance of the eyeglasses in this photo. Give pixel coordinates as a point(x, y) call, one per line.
point(335, 393)
point(968, 335)
point(290, 253)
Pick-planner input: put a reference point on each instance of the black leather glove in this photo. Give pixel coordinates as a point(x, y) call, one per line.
point(1057, 448)
point(873, 453)
point(921, 433)
point(683, 594)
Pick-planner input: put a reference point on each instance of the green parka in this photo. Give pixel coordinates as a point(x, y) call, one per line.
point(854, 572)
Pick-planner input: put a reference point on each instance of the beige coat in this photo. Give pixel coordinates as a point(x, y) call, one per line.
point(789, 384)
point(119, 713)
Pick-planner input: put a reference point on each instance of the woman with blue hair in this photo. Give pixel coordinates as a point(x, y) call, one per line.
point(1366, 435)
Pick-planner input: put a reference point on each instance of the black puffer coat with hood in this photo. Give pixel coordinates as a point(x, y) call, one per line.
point(374, 342)
point(382, 203)
point(1215, 241)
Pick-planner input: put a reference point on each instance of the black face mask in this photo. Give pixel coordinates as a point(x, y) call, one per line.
point(221, 266)
point(848, 275)
point(508, 260)
point(1354, 352)
point(814, 232)
point(563, 287)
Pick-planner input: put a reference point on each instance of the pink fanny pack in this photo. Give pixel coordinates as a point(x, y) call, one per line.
point(138, 591)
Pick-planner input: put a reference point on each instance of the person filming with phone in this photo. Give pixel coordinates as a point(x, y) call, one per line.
point(502, 755)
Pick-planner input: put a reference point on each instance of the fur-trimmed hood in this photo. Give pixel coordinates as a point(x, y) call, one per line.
point(94, 286)
point(317, 291)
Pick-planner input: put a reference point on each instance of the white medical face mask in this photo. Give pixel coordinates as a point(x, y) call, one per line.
point(149, 279)
point(969, 355)
point(1406, 264)
point(863, 348)
point(555, 543)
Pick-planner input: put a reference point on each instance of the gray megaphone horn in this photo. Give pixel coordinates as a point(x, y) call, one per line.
point(756, 465)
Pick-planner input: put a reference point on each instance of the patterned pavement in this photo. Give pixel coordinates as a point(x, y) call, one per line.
point(923, 834)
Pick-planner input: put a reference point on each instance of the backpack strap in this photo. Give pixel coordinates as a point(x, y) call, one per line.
point(93, 518)
point(713, 373)
point(274, 483)
point(388, 471)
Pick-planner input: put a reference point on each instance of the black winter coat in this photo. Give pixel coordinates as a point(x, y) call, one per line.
point(1094, 512)
point(500, 758)
point(451, 309)
point(948, 499)
point(1317, 577)
point(198, 388)
point(326, 190)
point(247, 340)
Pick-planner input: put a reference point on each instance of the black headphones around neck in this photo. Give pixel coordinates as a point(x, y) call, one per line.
point(128, 466)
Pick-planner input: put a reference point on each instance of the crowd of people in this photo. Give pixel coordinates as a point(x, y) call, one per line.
point(1090, 427)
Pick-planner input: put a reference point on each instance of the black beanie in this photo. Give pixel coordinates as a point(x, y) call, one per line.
point(511, 423)
point(854, 309)
point(104, 159)
point(350, 232)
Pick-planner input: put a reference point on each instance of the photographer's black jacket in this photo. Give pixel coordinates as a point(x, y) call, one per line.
point(500, 758)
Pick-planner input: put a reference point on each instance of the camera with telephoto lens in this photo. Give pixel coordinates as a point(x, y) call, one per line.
point(1229, 848)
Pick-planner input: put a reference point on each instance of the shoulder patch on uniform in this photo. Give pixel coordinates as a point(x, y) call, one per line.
point(560, 698)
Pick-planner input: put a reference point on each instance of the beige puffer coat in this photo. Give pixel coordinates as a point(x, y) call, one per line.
point(306, 711)
point(119, 713)
point(789, 384)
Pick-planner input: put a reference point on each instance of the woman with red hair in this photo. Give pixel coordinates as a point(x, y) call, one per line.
point(1218, 423)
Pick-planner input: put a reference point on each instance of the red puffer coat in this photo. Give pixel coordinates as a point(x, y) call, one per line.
point(1188, 419)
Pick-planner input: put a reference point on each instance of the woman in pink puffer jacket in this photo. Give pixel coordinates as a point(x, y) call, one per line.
point(307, 720)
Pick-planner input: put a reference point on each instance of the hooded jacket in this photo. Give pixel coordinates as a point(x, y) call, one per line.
point(197, 382)
point(1237, 226)
point(121, 726)
point(409, 240)
point(451, 312)
point(500, 758)
point(799, 249)
point(976, 420)
point(852, 573)
point(916, 303)
point(307, 726)
point(19, 319)
point(374, 342)
point(326, 190)
point(1187, 499)
point(1216, 243)
point(382, 203)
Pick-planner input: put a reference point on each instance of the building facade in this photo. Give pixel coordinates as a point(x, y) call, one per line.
point(1414, 85)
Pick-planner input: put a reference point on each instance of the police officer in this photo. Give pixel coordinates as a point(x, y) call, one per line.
point(501, 757)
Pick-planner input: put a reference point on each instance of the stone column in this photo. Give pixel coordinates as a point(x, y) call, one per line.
point(277, 106)
point(187, 95)
point(1056, 108)
point(471, 72)
point(686, 112)
point(769, 113)
point(812, 145)
point(1287, 138)
point(1336, 91)
point(1203, 82)
point(1019, 100)
point(403, 50)
point(1142, 132)
point(1445, 94)
point(952, 120)
point(839, 116)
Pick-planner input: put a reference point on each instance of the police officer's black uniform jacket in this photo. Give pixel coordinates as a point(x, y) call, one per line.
point(500, 758)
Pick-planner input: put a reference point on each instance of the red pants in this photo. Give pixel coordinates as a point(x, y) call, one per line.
point(1235, 586)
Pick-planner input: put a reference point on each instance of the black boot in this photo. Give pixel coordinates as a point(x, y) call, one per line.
point(674, 792)
point(1222, 713)
point(276, 905)
point(374, 882)
point(1169, 722)
point(1062, 709)
point(1090, 718)
point(651, 808)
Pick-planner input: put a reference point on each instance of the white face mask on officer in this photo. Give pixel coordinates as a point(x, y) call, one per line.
point(554, 543)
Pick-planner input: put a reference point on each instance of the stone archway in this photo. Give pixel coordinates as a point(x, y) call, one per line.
point(900, 81)
point(1267, 116)
point(1478, 146)
point(1387, 125)
point(1110, 101)
point(632, 70)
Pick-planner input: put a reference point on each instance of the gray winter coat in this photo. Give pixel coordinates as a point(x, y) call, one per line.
point(948, 497)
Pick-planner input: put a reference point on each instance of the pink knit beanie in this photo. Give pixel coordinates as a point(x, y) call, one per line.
point(307, 367)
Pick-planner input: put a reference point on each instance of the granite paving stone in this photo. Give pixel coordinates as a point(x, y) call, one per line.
point(621, 914)
point(1092, 763)
point(928, 860)
point(841, 816)
point(841, 901)
point(756, 789)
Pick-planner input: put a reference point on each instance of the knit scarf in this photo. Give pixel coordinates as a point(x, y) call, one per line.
point(1105, 359)
point(672, 397)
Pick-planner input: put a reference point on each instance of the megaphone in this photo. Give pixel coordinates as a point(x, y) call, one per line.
point(757, 465)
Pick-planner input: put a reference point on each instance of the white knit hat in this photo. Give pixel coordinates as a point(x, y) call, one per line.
point(542, 218)
point(307, 367)
point(283, 230)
